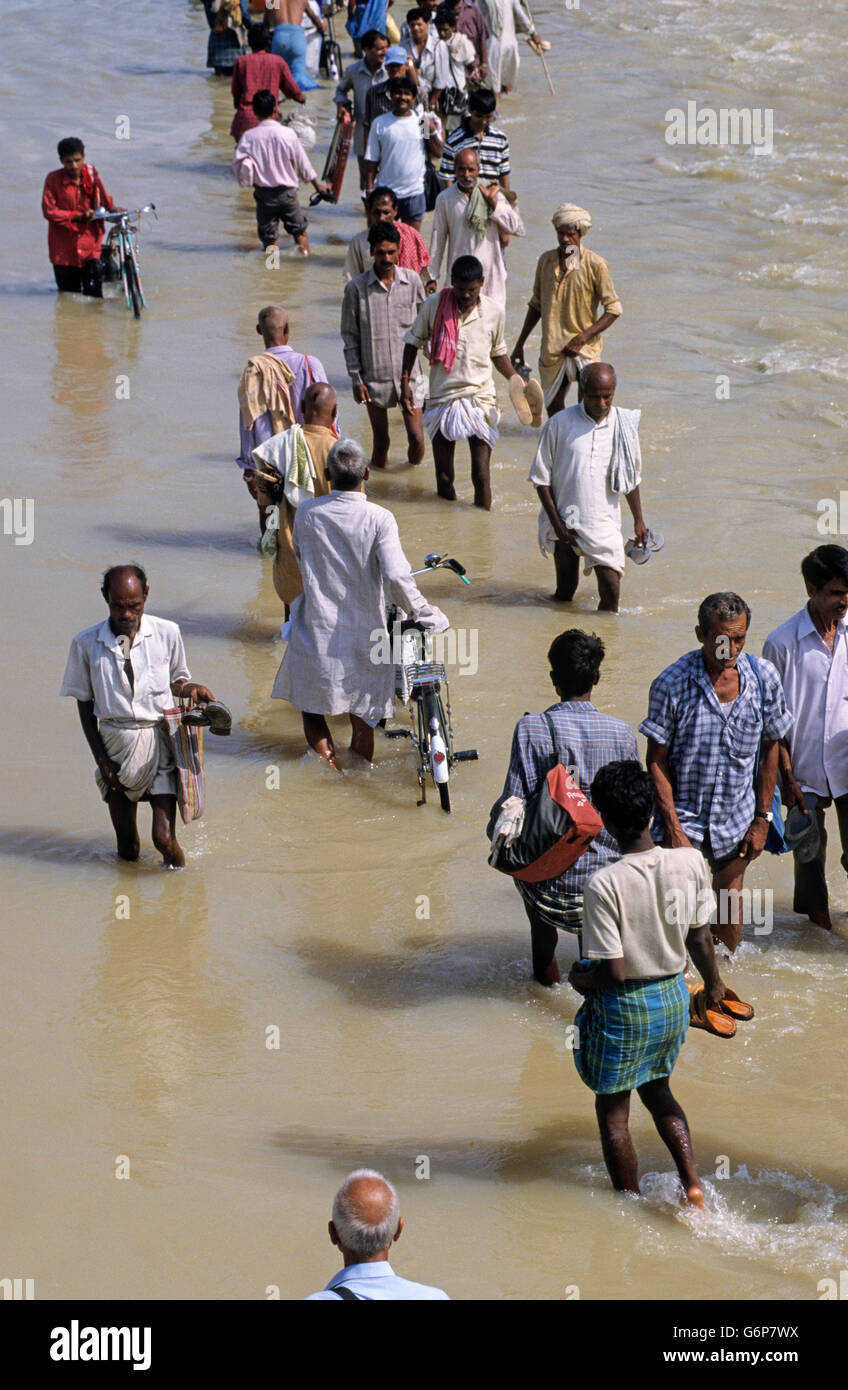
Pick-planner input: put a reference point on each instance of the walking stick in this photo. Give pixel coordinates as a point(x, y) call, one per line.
point(538, 50)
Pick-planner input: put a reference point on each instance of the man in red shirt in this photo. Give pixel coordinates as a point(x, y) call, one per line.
point(259, 71)
point(71, 194)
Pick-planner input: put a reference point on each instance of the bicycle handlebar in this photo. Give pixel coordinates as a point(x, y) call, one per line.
point(101, 215)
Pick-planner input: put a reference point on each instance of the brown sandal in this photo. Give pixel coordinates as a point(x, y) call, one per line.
point(711, 1020)
point(734, 1006)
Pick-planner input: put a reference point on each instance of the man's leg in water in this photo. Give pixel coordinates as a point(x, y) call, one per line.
point(318, 737)
point(673, 1129)
point(361, 738)
point(613, 1113)
point(164, 830)
point(443, 452)
point(609, 588)
point(123, 813)
point(567, 566)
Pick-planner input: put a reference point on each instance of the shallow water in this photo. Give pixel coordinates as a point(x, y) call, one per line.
point(401, 1035)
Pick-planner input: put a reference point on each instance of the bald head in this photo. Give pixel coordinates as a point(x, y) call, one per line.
point(366, 1217)
point(466, 169)
point(319, 404)
point(598, 383)
point(273, 325)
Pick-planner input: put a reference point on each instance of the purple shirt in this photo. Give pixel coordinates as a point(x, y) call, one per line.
point(306, 370)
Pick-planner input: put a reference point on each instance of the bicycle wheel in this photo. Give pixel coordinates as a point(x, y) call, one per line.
point(437, 757)
point(133, 287)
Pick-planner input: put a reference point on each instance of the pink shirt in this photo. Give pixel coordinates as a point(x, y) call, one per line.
point(277, 156)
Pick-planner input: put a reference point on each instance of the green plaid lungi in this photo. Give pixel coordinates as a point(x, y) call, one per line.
point(631, 1034)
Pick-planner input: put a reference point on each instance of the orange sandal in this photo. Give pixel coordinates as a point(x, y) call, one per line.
point(711, 1020)
point(734, 1006)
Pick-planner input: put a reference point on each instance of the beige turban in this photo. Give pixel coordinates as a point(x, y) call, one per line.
point(569, 215)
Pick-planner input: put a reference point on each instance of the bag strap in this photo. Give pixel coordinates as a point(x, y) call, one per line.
point(344, 1292)
point(554, 740)
point(752, 661)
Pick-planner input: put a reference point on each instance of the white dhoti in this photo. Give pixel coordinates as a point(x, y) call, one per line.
point(144, 757)
point(602, 545)
point(462, 419)
point(569, 370)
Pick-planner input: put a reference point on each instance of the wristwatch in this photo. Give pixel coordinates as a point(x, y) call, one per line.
point(764, 815)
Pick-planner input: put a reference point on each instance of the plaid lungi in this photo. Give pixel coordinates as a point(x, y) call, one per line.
point(631, 1034)
point(551, 907)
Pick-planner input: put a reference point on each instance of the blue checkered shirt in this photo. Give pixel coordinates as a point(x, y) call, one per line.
point(588, 740)
point(711, 759)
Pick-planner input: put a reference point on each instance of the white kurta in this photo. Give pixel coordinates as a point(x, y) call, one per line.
point(452, 237)
point(573, 460)
point(352, 565)
point(502, 50)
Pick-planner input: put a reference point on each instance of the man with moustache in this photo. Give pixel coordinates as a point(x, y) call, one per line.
point(810, 653)
point(711, 716)
point(124, 673)
point(469, 219)
point(572, 284)
point(378, 308)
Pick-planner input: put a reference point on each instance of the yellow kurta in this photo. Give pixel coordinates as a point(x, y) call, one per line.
point(569, 302)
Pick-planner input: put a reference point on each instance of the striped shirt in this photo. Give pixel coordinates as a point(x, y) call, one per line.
point(492, 149)
point(711, 756)
point(587, 740)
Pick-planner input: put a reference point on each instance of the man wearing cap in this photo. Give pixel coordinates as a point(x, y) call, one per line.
point(571, 285)
point(810, 652)
point(377, 100)
point(588, 458)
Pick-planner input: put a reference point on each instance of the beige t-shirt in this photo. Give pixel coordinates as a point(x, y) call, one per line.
point(642, 907)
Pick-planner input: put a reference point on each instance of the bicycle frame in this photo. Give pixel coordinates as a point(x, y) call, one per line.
point(418, 683)
point(122, 234)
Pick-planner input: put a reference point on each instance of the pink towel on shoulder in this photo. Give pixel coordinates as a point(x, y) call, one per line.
point(445, 335)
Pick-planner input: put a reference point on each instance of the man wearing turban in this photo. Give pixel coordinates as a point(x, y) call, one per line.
point(572, 284)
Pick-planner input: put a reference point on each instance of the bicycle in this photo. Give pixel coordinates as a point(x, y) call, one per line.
point(119, 254)
point(418, 683)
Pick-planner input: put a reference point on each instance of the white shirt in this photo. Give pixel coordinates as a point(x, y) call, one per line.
point(572, 459)
point(394, 143)
point(95, 671)
point(815, 683)
point(452, 237)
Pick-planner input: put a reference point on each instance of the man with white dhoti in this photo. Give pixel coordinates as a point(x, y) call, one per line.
point(465, 332)
point(588, 457)
point(124, 673)
point(352, 565)
point(572, 284)
point(468, 220)
point(505, 17)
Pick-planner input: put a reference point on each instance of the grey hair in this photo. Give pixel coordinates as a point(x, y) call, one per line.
point(725, 606)
point(346, 464)
point(353, 1233)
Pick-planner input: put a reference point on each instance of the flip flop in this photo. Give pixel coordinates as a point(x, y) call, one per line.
point(535, 398)
point(639, 554)
point(711, 1020)
point(519, 400)
point(734, 1006)
point(656, 540)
